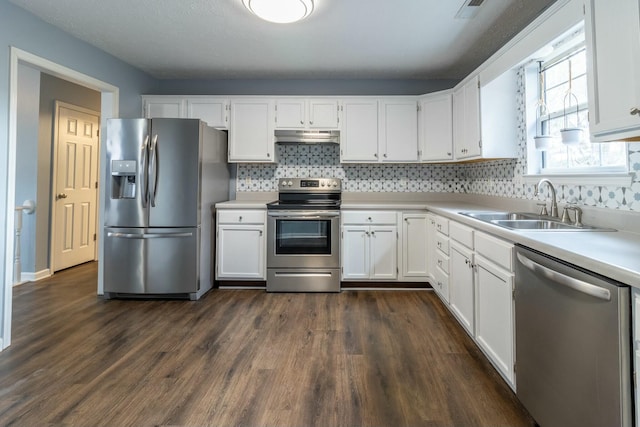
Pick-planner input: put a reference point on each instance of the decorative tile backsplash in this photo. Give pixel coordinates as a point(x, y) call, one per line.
point(495, 178)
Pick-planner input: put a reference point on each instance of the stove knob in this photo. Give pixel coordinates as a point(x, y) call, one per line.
point(335, 184)
point(283, 183)
point(290, 184)
point(322, 183)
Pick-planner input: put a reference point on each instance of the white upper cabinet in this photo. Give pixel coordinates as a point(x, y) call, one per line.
point(613, 52)
point(213, 111)
point(359, 131)
point(314, 113)
point(171, 107)
point(436, 127)
point(398, 121)
point(466, 107)
point(484, 118)
point(251, 129)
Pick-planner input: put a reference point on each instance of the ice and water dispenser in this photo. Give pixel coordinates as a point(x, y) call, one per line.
point(123, 179)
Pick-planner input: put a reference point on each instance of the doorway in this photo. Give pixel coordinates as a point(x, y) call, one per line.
point(109, 108)
point(76, 144)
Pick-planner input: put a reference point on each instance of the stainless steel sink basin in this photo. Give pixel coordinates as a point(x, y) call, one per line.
point(524, 221)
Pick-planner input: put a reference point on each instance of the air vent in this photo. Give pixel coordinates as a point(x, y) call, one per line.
point(469, 9)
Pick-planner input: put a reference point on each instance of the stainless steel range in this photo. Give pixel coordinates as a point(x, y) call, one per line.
point(303, 236)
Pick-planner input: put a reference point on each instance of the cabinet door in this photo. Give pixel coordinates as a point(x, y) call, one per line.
point(431, 247)
point(466, 120)
point(398, 130)
point(436, 128)
point(241, 252)
point(461, 285)
point(494, 315)
point(359, 133)
point(291, 114)
point(164, 107)
point(613, 51)
point(472, 118)
point(323, 113)
point(251, 133)
point(416, 243)
point(213, 111)
point(384, 252)
point(355, 252)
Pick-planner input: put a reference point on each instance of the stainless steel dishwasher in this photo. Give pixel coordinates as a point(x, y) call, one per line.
point(573, 344)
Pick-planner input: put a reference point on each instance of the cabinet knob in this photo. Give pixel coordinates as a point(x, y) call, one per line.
point(268, 154)
point(369, 219)
point(310, 122)
point(301, 122)
point(240, 218)
point(373, 233)
point(375, 155)
point(385, 155)
point(449, 154)
point(634, 111)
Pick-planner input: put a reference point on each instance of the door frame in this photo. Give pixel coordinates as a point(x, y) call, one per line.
point(54, 177)
point(109, 108)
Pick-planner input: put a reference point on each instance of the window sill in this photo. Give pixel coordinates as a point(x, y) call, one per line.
point(619, 179)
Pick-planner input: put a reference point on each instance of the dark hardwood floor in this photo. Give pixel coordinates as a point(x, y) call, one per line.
point(243, 358)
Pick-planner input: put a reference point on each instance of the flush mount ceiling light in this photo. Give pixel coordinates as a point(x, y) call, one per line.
point(280, 11)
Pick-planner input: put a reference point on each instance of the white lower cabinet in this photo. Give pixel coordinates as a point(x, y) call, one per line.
point(369, 245)
point(478, 288)
point(241, 245)
point(494, 315)
point(461, 285)
point(415, 245)
point(369, 252)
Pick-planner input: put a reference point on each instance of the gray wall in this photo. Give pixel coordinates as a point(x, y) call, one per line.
point(302, 87)
point(23, 30)
point(26, 155)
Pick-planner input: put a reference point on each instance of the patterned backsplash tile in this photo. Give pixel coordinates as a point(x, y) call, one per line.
point(495, 178)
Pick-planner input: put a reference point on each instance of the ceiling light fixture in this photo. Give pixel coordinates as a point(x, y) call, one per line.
point(280, 11)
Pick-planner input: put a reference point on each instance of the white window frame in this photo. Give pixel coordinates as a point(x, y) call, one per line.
point(606, 176)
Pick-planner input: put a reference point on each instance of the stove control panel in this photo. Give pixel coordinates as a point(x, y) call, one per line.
point(310, 184)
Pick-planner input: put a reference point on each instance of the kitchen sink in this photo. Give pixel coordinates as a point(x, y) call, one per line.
point(524, 221)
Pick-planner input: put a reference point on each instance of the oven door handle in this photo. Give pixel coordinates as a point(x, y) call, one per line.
point(306, 215)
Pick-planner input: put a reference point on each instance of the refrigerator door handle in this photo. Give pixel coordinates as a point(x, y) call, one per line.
point(144, 174)
point(148, 235)
point(153, 166)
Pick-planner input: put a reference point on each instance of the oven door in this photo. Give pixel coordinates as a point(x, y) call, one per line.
point(301, 239)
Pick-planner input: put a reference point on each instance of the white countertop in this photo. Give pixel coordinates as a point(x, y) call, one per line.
point(614, 254)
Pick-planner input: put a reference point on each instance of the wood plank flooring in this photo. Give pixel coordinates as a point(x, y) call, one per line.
point(243, 358)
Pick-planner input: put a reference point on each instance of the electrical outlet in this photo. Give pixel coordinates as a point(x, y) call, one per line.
point(247, 181)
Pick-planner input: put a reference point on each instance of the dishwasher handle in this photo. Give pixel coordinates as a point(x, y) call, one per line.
point(562, 279)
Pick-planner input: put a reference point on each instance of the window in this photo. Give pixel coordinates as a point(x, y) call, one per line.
point(570, 109)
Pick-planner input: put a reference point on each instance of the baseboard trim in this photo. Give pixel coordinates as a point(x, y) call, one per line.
point(34, 277)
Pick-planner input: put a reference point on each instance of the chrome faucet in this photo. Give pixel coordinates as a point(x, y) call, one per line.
point(554, 203)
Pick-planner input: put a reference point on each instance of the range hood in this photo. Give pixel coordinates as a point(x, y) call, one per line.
point(307, 136)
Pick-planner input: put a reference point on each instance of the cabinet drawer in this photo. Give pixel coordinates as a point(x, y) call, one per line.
point(442, 261)
point(442, 225)
point(494, 249)
point(442, 243)
point(461, 233)
point(368, 217)
point(441, 283)
point(241, 217)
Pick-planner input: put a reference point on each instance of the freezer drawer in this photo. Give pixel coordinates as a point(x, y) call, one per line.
point(151, 261)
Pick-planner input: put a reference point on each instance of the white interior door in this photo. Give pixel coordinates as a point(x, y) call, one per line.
point(75, 186)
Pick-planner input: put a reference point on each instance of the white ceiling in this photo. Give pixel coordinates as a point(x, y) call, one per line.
point(342, 39)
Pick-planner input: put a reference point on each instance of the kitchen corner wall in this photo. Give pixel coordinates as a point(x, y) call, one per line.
point(495, 178)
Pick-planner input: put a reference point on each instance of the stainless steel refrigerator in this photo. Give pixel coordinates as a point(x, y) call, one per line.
point(163, 176)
